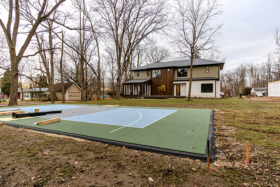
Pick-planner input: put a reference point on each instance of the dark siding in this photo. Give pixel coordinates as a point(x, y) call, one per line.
point(167, 79)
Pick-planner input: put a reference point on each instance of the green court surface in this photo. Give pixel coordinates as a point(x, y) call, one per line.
point(185, 130)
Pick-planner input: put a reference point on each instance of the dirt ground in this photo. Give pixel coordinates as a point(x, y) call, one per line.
point(265, 99)
point(28, 158)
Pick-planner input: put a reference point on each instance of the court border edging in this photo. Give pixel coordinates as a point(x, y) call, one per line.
point(163, 151)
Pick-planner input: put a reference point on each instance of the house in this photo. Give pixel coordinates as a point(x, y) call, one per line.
point(2, 96)
point(72, 91)
point(171, 79)
point(32, 93)
point(274, 89)
point(258, 91)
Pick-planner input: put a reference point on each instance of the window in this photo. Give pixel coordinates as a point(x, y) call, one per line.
point(148, 73)
point(161, 88)
point(183, 72)
point(25, 94)
point(137, 73)
point(139, 89)
point(156, 73)
point(206, 88)
point(207, 70)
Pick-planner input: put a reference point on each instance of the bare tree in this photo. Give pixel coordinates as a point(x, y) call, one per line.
point(157, 54)
point(128, 23)
point(47, 60)
point(21, 9)
point(194, 34)
point(112, 66)
point(61, 69)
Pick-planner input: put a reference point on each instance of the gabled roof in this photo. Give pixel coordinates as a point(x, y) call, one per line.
point(67, 85)
point(136, 81)
point(179, 63)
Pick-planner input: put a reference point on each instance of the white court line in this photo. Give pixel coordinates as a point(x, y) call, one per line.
point(128, 124)
point(9, 109)
point(159, 119)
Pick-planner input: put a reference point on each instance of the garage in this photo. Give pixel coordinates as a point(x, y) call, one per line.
point(71, 89)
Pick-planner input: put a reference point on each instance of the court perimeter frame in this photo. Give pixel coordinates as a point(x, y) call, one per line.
point(201, 157)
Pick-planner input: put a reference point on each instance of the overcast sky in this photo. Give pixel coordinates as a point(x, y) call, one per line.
point(248, 32)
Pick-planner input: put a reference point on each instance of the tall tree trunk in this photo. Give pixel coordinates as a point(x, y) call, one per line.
point(21, 88)
point(82, 77)
point(14, 82)
point(61, 70)
point(119, 75)
point(190, 84)
point(98, 70)
point(51, 84)
point(119, 79)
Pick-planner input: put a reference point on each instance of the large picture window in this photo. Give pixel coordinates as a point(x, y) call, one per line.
point(139, 89)
point(156, 73)
point(207, 88)
point(183, 72)
point(25, 94)
point(161, 88)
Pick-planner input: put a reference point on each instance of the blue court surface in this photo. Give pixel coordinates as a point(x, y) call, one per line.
point(48, 107)
point(128, 117)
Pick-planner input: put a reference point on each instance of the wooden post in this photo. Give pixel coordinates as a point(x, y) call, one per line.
point(36, 110)
point(247, 153)
point(208, 154)
point(49, 121)
point(11, 112)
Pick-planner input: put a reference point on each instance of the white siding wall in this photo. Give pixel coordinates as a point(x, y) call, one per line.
point(196, 89)
point(274, 89)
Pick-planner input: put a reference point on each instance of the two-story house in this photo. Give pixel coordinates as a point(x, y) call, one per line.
point(171, 79)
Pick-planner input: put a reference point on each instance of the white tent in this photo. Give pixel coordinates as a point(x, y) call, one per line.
point(274, 89)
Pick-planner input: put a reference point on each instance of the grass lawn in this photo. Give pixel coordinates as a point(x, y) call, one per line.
point(28, 158)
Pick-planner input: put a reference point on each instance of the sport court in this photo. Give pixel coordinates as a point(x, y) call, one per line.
point(180, 130)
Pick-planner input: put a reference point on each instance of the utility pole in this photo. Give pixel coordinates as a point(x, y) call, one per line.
point(86, 71)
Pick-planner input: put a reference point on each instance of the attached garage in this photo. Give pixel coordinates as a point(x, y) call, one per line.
point(71, 89)
point(274, 89)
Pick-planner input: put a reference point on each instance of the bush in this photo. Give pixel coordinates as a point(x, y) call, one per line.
point(247, 90)
point(110, 93)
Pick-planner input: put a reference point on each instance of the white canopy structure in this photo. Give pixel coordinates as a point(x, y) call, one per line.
point(274, 89)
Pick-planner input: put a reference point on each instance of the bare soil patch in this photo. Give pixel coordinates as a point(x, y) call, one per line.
point(28, 158)
point(264, 99)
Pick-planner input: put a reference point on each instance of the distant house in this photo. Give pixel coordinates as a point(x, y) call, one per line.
point(33, 93)
point(72, 91)
point(257, 91)
point(274, 89)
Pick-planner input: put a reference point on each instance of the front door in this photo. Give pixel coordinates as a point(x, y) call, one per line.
point(178, 90)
